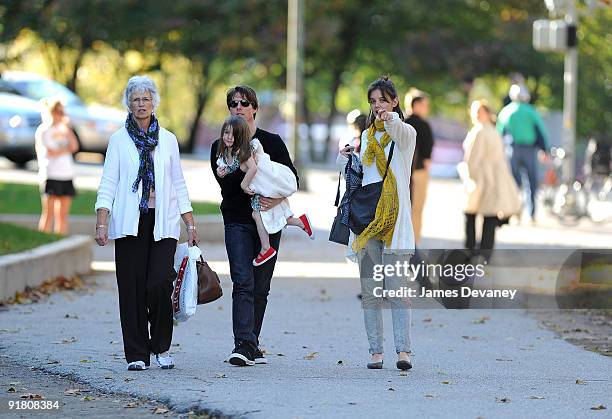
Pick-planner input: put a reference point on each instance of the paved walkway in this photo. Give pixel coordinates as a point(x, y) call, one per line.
point(466, 363)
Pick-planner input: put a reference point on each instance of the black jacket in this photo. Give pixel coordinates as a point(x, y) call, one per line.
point(424, 141)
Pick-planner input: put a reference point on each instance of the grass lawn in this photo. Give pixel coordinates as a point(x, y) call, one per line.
point(25, 199)
point(15, 239)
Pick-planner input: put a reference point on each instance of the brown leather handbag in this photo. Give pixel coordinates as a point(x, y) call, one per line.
point(209, 285)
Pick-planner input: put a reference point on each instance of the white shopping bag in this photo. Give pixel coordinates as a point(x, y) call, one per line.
point(185, 293)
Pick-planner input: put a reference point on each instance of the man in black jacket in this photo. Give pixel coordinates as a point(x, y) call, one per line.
point(251, 285)
point(418, 104)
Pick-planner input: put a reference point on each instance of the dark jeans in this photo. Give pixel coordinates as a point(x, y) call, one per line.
point(145, 271)
point(251, 284)
point(525, 157)
point(487, 241)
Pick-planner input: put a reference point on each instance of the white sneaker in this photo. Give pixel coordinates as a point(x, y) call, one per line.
point(137, 366)
point(164, 361)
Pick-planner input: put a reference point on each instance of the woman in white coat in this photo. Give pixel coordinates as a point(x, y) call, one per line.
point(491, 190)
point(141, 199)
point(389, 238)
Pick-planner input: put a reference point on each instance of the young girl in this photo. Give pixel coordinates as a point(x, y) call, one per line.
point(263, 177)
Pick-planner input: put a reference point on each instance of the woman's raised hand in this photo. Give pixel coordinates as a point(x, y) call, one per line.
point(347, 150)
point(383, 115)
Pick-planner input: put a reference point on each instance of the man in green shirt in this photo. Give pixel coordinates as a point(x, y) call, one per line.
point(522, 122)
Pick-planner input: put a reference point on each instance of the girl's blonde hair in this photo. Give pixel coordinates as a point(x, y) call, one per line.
point(48, 105)
point(242, 138)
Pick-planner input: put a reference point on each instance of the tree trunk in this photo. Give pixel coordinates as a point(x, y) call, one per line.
point(71, 84)
point(203, 95)
point(332, 111)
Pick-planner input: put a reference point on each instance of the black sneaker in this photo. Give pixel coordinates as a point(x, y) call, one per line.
point(242, 355)
point(259, 357)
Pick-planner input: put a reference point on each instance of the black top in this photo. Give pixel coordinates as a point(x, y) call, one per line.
point(424, 140)
point(236, 204)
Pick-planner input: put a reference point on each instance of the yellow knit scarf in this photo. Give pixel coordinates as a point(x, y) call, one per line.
point(383, 225)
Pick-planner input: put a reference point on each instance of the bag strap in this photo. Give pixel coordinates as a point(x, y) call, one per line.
point(340, 177)
point(389, 159)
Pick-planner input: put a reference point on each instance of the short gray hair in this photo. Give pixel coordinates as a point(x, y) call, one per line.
point(519, 93)
point(140, 84)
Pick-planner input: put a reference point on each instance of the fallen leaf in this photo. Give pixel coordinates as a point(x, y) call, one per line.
point(73, 392)
point(88, 399)
point(131, 405)
point(108, 378)
point(69, 340)
point(31, 396)
point(442, 373)
point(581, 382)
point(288, 333)
point(11, 390)
point(352, 403)
point(71, 316)
point(429, 396)
point(600, 407)
point(340, 362)
point(86, 361)
point(391, 389)
point(280, 354)
point(502, 400)
point(160, 410)
point(52, 362)
point(427, 320)
point(220, 375)
point(537, 397)
point(504, 359)
point(311, 355)
point(482, 320)
point(446, 382)
point(470, 337)
point(127, 380)
point(403, 374)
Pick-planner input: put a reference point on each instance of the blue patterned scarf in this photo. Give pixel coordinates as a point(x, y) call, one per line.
point(145, 144)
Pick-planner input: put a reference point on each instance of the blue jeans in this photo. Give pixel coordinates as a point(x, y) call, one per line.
point(525, 157)
point(251, 285)
point(370, 255)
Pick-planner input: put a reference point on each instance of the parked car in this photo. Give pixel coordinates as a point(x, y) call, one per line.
point(93, 124)
point(19, 118)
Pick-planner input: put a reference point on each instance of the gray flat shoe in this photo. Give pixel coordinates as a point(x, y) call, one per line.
point(403, 365)
point(375, 365)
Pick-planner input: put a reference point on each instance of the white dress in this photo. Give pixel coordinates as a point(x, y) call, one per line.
point(273, 180)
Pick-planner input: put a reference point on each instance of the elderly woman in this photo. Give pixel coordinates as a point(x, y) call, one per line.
point(141, 199)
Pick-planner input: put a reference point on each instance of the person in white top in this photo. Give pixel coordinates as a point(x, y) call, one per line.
point(143, 192)
point(389, 238)
point(55, 143)
point(263, 177)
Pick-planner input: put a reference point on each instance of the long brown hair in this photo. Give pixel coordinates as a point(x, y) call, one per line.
point(387, 88)
point(242, 138)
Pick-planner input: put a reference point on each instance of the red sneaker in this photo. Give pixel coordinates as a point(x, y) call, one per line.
point(307, 228)
point(261, 259)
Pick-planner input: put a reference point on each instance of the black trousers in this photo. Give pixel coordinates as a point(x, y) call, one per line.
point(251, 285)
point(487, 241)
point(145, 271)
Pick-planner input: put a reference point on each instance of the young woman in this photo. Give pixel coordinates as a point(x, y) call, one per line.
point(389, 237)
point(491, 190)
point(263, 177)
point(55, 144)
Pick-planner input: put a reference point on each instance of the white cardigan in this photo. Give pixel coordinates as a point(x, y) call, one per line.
point(120, 171)
point(404, 135)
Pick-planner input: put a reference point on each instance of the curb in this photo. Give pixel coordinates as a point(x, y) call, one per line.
point(210, 227)
point(31, 268)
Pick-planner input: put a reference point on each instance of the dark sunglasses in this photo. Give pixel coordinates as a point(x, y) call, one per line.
point(243, 102)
